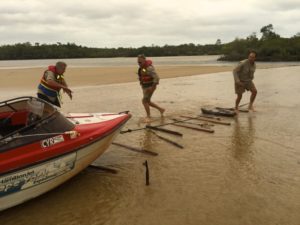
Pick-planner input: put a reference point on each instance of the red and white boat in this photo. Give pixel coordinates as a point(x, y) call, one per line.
point(41, 148)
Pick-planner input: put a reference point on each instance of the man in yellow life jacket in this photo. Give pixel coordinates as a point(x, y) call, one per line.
point(149, 80)
point(52, 82)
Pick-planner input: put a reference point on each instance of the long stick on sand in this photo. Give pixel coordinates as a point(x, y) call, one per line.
point(164, 130)
point(195, 128)
point(166, 139)
point(141, 150)
point(231, 109)
point(103, 168)
point(199, 124)
point(208, 120)
point(210, 117)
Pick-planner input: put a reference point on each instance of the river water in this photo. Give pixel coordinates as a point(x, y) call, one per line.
point(129, 61)
point(124, 61)
point(243, 174)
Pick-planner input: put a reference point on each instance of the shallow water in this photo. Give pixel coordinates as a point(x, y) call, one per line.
point(204, 60)
point(121, 61)
point(246, 173)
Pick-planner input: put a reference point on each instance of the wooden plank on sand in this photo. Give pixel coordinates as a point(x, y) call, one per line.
point(141, 150)
point(166, 139)
point(194, 128)
point(164, 130)
point(208, 120)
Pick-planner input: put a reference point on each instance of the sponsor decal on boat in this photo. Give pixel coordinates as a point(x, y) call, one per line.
point(52, 141)
point(33, 176)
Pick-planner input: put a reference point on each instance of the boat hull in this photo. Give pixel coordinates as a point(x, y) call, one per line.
point(23, 185)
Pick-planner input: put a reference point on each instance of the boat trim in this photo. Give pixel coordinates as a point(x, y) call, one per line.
point(74, 150)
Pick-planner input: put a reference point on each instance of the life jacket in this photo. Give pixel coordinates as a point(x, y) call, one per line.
point(145, 78)
point(49, 89)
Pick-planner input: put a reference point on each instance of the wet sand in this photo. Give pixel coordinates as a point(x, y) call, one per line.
point(246, 173)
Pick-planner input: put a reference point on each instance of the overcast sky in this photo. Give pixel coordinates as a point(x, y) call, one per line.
point(136, 23)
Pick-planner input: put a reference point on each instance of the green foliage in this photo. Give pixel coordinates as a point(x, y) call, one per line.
point(71, 50)
point(270, 47)
point(267, 32)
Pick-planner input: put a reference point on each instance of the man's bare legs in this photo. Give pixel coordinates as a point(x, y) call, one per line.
point(252, 98)
point(237, 102)
point(147, 109)
point(161, 110)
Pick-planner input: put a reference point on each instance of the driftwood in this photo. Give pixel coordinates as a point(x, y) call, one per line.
point(210, 117)
point(141, 150)
point(103, 168)
point(195, 128)
point(147, 175)
point(164, 130)
point(208, 120)
point(184, 121)
point(167, 140)
point(240, 110)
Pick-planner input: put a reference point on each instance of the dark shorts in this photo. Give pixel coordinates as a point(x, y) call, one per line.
point(44, 97)
point(247, 85)
point(147, 94)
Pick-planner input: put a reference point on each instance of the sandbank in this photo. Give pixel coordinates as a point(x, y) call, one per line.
point(28, 78)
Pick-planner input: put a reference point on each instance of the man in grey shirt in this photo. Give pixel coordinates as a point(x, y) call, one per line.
point(243, 77)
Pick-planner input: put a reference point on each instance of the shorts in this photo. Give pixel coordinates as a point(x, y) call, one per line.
point(44, 97)
point(248, 85)
point(147, 94)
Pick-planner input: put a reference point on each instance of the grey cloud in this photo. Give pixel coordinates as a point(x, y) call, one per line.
point(135, 23)
point(280, 5)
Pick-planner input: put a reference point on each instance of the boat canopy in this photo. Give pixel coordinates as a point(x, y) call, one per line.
point(25, 120)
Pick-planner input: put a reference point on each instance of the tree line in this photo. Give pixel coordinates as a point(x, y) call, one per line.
point(71, 50)
point(270, 47)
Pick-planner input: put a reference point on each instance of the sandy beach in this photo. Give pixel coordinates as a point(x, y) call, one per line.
point(28, 78)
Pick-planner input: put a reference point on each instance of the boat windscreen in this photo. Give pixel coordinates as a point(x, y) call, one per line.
point(54, 125)
point(29, 121)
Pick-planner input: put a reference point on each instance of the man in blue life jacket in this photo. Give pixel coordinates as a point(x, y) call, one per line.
point(52, 82)
point(148, 80)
